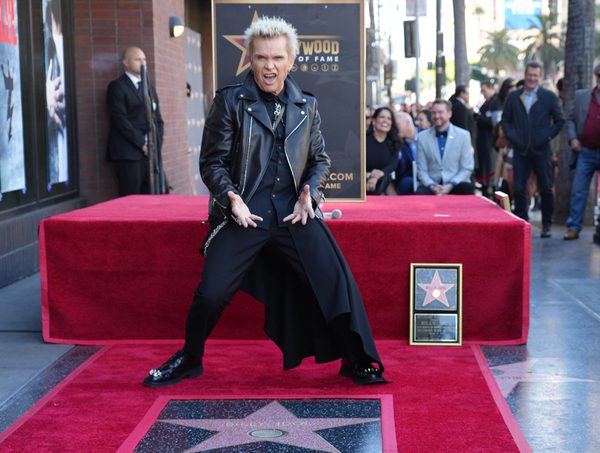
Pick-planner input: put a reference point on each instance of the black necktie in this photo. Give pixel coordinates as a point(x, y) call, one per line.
point(441, 134)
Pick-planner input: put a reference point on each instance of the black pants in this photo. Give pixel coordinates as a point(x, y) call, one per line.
point(541, 165)
point(133, 177)
point(230, 255)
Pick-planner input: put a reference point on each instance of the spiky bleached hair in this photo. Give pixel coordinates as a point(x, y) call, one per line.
point(272, 27)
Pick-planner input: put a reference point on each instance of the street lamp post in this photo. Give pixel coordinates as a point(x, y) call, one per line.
point(440, 63)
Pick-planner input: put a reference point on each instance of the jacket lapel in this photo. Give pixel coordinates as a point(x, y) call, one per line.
point(522, 97)
point(259, 111)
point(533, 101)
point(257, 108)
point(435, 145)
point(296, 109)
point(129, 83)
point(450, 142)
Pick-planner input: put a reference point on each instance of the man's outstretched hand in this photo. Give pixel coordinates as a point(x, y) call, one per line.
point(240, 211)
point(302, 209)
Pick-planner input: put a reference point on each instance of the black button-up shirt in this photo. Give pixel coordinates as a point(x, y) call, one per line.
point(276, 195)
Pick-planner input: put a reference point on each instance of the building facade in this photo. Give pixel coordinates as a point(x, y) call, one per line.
point(57, 58)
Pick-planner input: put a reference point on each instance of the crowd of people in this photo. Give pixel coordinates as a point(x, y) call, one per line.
point(445, 147)
point(505, 143)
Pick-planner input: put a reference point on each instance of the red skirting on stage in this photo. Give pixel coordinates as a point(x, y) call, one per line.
point(125, 270)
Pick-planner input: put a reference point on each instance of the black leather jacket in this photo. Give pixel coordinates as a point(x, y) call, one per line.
point(238, 140)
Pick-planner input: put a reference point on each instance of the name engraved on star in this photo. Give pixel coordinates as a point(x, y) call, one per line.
point(245, 424)
point(270, 423)
point(294, 424)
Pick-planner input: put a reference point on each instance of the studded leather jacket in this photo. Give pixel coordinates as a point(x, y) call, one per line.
point(238, 140)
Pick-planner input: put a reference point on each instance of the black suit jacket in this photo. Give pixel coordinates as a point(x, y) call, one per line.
point(485, 124)
point(462, 116)
point(128, 124)
point(532, 132)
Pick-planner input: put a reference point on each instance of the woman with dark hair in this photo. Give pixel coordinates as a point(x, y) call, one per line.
point(507, 86)
point(424, 120)
point(383, 142)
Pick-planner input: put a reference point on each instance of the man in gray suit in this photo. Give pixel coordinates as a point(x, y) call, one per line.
point(583, 128)
point(444, 155)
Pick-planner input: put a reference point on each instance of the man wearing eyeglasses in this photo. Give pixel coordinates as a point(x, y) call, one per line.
point(583, 128)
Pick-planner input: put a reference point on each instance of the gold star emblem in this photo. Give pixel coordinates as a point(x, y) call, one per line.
point(240, 42)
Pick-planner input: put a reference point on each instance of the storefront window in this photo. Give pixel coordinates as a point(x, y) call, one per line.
point(12, 149)
point(55, 79)
point(37, 152)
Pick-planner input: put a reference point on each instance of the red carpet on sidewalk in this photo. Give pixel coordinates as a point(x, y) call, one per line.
point(444, 398)
point(125, 270)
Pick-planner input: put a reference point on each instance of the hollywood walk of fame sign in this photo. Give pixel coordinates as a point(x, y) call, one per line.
point(436, 304)
point(334, 425)
point(329, 64)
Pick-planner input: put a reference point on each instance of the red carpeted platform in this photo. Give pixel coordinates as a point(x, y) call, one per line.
point(126, 269)
point(443, 399)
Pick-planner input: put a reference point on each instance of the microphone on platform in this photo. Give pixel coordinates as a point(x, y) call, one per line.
point(335, 214)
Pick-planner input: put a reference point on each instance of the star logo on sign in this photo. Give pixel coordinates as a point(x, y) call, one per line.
point(436, 290)
point(272, 423)
point(239, 41)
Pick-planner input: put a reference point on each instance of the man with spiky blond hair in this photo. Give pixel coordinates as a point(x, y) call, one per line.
point(263, 160)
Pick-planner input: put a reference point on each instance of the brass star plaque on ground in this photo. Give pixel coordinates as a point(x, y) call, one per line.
point(295, 425)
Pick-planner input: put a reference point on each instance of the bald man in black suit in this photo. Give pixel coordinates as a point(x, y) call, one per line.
point(129, 128)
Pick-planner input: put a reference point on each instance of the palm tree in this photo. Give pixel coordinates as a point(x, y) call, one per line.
point(546, 45)
point(461, 75)
point(579, 61)
point(499, 53)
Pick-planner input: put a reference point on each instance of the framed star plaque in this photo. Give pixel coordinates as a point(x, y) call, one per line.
point(435, 304)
